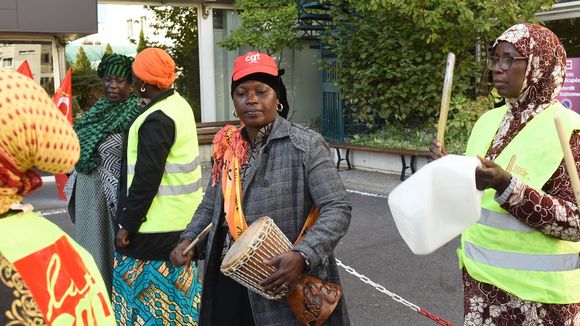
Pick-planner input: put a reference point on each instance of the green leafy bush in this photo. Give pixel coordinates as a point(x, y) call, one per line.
point(268, 26)
point(463, 113)
point(392, 55)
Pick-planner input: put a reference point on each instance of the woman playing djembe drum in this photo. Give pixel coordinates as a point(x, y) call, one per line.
point(268, 167)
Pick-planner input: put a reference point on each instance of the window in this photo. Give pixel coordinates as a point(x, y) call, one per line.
point(567, 31)
point(38, 55)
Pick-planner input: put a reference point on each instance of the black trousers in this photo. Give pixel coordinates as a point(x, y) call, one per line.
point(231, 305)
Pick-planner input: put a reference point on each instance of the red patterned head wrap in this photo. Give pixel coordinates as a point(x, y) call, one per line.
point(33, 134)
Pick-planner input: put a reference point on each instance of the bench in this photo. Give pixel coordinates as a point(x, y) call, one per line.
point(207, 130)
point(413, 154)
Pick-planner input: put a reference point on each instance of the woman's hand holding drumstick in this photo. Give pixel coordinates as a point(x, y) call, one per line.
point(568, 158)
point(199, 237)
point(183, 253)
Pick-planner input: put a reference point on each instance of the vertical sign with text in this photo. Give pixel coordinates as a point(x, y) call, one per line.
point(570, 93)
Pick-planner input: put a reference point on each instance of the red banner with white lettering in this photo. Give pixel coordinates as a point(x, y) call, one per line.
point(63, 100)
point(63, 287)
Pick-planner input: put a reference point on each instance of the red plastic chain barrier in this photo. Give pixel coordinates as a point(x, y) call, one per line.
point(437, 319)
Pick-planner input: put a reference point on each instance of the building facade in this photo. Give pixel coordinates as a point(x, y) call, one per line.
point(38, 31)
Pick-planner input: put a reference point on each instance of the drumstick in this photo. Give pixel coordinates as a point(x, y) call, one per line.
point(197, 239)
point(568, 158)
point(445, 97)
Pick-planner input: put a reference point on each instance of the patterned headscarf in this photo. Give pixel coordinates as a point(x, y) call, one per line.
point(546, 68)
point(155, 67)
point(115, 65)
point(33, 134)
point(545, 73)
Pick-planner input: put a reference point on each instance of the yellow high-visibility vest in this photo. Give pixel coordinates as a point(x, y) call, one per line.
point(500, 249)
point(180, 191)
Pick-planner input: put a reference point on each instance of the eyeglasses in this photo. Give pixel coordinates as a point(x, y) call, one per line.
point(505, 61)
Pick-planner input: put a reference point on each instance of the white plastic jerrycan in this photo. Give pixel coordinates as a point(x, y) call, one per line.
point(437, 203)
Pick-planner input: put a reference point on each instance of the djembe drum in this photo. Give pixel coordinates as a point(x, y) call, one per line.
point(312, 300)
point(244, 260)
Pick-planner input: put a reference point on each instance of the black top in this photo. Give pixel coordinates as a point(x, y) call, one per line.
point(156, 137)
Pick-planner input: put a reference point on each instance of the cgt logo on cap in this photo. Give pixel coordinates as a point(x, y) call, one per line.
point(253, 58)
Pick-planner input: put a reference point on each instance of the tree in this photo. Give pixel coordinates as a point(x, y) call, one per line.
point(87, 87)
point(142, 42)
point(267, 26)
point(82, 62)
point(108, 49)
point(179, 24)
point(392, 53)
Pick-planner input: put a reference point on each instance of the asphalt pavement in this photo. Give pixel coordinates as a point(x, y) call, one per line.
point(372, 247)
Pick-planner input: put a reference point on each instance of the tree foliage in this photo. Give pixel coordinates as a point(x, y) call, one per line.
point(267, 26)
point(82, 62)
point(108, 49)
point(392, 53)
point(143, 44)
point(179, 25)
point(87, 88)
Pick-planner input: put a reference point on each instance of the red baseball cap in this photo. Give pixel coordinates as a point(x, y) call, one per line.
point(254, 62)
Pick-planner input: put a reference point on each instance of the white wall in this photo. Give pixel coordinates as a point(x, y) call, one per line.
point(302, 80)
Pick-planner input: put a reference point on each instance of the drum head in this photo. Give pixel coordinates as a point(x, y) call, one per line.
point(245, 241)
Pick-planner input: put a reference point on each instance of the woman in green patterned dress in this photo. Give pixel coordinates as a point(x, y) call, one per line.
point(92, 188)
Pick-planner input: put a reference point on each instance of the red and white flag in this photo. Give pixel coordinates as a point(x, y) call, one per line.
point(63, 96)
point(24, 69)
point(63, 100)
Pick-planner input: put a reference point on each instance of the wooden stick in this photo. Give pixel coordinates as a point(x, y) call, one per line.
point(568, 158)
point(445, 97)
point(197, 239)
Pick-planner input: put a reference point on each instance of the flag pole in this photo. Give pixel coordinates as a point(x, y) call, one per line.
point(568, 158)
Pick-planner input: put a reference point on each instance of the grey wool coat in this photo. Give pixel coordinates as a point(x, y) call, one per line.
point(293, 171)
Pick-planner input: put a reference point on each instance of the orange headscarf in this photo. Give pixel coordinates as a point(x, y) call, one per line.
point(33, 133)
point(155, 67)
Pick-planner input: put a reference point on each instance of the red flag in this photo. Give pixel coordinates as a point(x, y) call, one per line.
point(63, 100)
point(63, 96)
point(24, 69)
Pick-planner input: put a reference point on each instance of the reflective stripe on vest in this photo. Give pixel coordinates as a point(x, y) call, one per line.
point(180, 190)
point(528, 262)
point(532, 262)
point(503, 221)
point(173, 168)
point(504, 251)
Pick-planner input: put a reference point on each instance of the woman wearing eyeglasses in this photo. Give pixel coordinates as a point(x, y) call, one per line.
point(521, 260)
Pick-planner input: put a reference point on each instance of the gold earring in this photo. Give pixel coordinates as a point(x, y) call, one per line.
point(142, 89)
point(280, 107)
point(235, 113)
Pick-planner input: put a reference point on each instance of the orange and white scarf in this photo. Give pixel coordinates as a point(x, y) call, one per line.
point(230, 152)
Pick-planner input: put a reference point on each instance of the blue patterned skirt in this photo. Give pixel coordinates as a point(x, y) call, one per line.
point(153, 292)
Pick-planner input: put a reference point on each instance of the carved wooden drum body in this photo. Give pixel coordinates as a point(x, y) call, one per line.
point(244, 260)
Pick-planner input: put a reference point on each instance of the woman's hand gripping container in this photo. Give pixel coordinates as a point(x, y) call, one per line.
point(437, 203)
